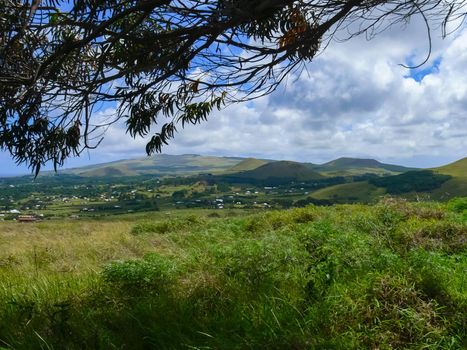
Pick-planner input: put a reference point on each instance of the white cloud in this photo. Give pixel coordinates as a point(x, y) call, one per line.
point(353, 100)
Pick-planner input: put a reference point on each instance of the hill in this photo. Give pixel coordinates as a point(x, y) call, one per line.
point(350, 192)
point(190, 164)
point(440, 183)
point(455, 169)
point(160, 164)
point(457, 185)
point(357, 166)
point(276, 173)
point(247, 164)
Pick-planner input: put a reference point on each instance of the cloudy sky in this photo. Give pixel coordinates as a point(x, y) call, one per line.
point(354, 100)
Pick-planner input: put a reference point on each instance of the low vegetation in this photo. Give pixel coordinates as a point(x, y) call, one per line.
point(386, 276)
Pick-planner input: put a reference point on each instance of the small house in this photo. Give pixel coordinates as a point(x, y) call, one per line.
point(26, 218)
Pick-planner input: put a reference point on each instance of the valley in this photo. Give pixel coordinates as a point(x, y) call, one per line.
point(167, 182)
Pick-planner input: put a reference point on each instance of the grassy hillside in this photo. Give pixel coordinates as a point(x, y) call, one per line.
point(440, 183)
point(161, 164)
point(389, 276)
point(455, 169)
point(455, 187)
point(247, 164)
point(357, 166)
point(351, 192)
point(283, 170)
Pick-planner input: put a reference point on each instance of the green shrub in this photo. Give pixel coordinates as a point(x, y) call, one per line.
point(449, 237)
point(147, 227)
point(163, 227)
point(458, 204)
point(151, 272)
point(261, 263)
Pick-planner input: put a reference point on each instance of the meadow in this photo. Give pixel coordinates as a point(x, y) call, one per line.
point(392, 275)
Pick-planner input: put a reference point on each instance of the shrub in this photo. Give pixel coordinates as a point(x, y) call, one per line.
point(261, 263)
point(445, 236)
point(147, 227)
point(151, 272)
point(163, 227)
point(458, 204)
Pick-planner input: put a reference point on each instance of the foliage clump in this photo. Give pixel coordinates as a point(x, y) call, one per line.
point(411, 181)
point(150, 273)
point(166, 226)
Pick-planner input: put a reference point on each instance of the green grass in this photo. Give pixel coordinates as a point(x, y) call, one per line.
point(354, 192)
point(387, 276)
point(357, 166)
point(161, 164)
point(247, 164)
point(281, 169)
point(455, 169)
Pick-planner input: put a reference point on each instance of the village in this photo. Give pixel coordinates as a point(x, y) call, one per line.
point(28, 201)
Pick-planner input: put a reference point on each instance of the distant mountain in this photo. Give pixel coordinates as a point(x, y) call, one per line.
point(283, 169)
point(160, 164)
point(248, 164)
point(357, 166)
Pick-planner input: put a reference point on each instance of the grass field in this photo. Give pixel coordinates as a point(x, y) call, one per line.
point(354, 192)
point(387, 276)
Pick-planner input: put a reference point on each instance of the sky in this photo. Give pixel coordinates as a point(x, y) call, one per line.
point(353, 100)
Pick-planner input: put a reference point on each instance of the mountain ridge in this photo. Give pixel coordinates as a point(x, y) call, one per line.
point(186, 164)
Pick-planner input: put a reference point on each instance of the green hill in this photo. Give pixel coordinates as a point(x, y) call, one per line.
point(455, 169)
point(440, 183)
point(286, 170)
point(110, 171)
point(357, 166)
point(350, 192)
point(161, 164)
point(247, 164)
point(190, 164)
point(457, 185)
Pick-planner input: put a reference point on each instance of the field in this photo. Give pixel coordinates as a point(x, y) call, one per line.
point(385, 276)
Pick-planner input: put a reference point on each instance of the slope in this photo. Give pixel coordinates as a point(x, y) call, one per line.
point(280, 171)
point(357, 166)
point(161, 164)
point(457, 185)
point(247, 164)
point(350, 192)
point(455, 169)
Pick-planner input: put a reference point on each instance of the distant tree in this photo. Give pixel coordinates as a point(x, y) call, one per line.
point(411, 181)
point(165, 62)
point(181, 194)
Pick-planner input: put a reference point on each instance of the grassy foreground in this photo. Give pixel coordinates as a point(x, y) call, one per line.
point(388, 276)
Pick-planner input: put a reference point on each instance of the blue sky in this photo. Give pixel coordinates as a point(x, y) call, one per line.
point(354, 100)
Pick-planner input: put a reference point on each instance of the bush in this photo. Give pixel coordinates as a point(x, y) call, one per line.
point(458, 204)
point(433, 235)
point(261, 264)
point(163, 227)
point(150, 273)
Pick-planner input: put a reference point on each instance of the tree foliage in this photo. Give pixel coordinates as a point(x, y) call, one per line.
point(162, 63)
point(411, 181)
